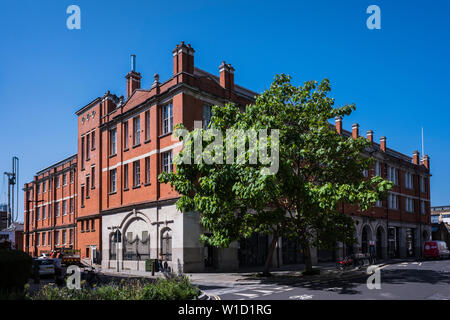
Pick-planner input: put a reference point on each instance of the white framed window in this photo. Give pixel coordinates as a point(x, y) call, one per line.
point(365, 173)
point(379, 203)
point(57, 211)
point(71, 236)
point(38, 238)
point(64, 237)
point(112, 142)
point(136, 173)
point(38, 213)
point(393, 175)
point(408, 180)
point(167, 118)
point(44, 186)
point(409, 204)
point(167, 165)
point(147, 125)
point(65, 179)
point(57, 182)
point(64, 207)
point(43, 238)
point(422, 184)
point(136, 130)
point(38, 188)
point(113, 180)
point(422, 207)
point(57, 238)
point(44, 213)
point(207, 114)
point(393, 201)
point(125, 134)
point(147, 170)
point(71, 205)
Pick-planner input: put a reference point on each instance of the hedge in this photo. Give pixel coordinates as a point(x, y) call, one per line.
point(15, 270)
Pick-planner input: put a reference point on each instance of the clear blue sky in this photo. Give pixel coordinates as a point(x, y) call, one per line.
point(398, 76)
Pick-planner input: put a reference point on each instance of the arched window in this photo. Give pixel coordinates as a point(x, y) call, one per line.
point(166, 244)
point(112, 248)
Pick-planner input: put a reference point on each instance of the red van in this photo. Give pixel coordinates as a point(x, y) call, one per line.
point(436, 250)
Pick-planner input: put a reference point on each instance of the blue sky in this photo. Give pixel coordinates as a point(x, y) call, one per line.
point(398, 76)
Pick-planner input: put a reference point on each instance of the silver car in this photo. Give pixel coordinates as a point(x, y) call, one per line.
point(46, 266)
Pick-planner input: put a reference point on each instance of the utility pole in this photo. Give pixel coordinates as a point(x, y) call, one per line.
point(13, 177)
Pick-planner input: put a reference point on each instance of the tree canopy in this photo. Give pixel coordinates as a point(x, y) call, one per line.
point(298, 194)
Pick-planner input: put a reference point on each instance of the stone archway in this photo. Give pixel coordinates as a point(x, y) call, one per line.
point(135, 230)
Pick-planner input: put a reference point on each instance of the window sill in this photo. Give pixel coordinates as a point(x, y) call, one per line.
point(112, 155)
point(138, 186)
point(165, 134)
point(126, 149)
point(126, 189)
point(147, 141)
point(147, 184)
point(136, 145)
point(113, 192)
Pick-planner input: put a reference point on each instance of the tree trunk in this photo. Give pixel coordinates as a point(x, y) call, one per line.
point(270, 255)
point(308, 261)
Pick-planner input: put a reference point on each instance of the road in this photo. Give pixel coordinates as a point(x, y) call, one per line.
point(407, 280)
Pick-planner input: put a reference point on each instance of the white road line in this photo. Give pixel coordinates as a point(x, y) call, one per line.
point(265, 291)
point(248, 295)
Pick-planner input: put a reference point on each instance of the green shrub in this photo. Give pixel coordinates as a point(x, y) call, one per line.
point(178, 288)
point(15, 270)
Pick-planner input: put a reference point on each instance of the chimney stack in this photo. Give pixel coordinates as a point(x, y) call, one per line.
point(355, 131)
point(338, 124)
point(370, 135)
point(183, 58)
point(416, 157)
point(226, 76)
point(426, 161)
point(383, 144)
point(133, 78)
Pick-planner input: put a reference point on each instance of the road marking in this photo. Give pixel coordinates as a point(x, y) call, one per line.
point(264, 291)
point(248, 295)
point(302, 297)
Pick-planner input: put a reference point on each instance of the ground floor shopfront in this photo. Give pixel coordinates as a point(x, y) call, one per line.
point(159, 231)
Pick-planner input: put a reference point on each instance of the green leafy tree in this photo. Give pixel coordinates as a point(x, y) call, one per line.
point(318, 171)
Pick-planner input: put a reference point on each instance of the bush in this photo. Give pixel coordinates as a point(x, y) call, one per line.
point(15, 270)
point(162, 289)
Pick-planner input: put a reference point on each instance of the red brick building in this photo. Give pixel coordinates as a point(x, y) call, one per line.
point(50, 208)
point(124, 143)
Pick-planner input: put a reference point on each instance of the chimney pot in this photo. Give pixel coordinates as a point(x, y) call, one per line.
point(383, 144)
point(355, 130)
point(426, 161)
point(338, 124)
point(226, 76)
point(370, 135)
point(416, 157)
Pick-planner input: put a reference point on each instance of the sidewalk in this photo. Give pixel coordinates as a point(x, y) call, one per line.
point(290, 273)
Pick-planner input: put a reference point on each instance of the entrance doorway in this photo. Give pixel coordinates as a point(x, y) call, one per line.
point(365, 239)
point(379, 244)
point(253, 251)
point(410, 248)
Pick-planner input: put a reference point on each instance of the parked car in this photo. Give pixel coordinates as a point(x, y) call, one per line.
point(435, 250)
point(46, 266)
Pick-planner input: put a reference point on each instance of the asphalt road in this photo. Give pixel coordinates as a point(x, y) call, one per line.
point(408, 280)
